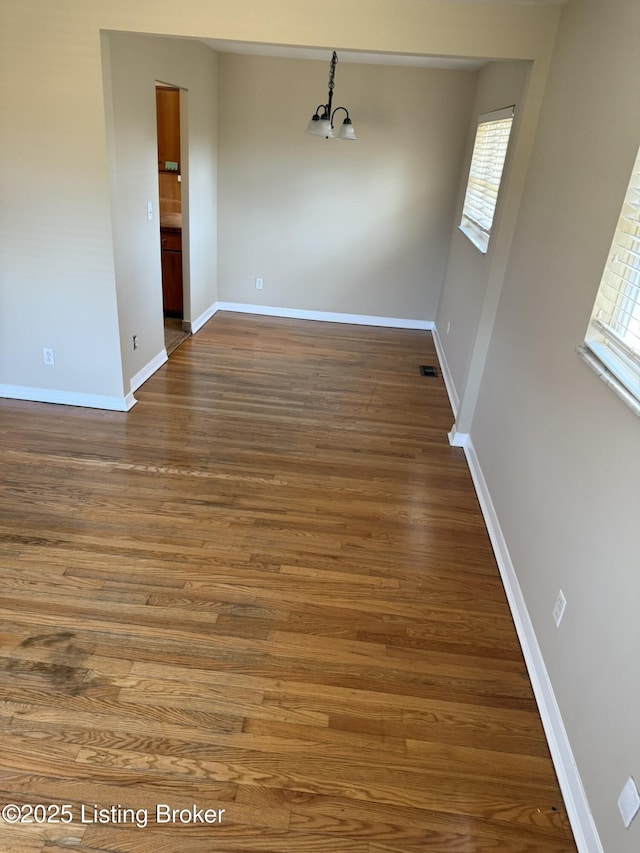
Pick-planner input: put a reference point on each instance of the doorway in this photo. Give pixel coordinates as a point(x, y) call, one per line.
point(170, 198)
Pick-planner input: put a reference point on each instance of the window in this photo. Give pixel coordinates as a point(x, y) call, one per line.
point(613, 335)
point(485, 174)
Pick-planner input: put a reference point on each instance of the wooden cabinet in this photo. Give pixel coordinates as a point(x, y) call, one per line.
point(171, 246)
point(168, 125)
point(168, 122)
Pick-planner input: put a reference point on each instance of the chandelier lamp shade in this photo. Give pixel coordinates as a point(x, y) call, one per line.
point(321, 123)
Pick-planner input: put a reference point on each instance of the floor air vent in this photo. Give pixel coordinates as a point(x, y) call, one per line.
point(428, 370)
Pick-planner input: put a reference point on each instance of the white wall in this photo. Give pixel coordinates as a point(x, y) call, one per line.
point(132, 65)
point(357, 227)
point(559, 451)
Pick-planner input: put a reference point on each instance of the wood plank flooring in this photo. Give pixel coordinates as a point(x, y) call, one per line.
point(266, 590)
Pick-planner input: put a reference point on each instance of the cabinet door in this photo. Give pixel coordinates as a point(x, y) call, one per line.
point(171, 280)
point(168, 119)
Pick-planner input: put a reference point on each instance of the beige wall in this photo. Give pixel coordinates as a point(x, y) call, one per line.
point(57, 273)
point(133, 64)
point(557, 448)
point(560, 452)
point(356, 227)
point(56, 254)
point(500, 84)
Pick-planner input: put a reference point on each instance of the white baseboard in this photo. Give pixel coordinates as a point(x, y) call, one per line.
point(326, 316)
point(577, 805)
point(148, 370)
point(446, 373)
point(67, 398)
point(199, 322)
point(458, 439)
point(89, 401)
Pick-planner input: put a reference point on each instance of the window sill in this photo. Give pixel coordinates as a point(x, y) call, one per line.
point(479, 239)
point(609, 378)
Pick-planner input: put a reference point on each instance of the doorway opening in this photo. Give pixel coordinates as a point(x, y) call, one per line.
point(170, 197)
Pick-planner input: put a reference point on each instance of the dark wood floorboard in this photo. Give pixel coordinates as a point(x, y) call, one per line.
point(268, 591)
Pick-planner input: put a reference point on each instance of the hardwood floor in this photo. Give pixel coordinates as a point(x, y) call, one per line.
point(266, 590)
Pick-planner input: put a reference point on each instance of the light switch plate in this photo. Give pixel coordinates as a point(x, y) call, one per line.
point(629, 802)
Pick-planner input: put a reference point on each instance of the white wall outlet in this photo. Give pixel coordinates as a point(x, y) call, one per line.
point(448, 326)
point(47, 356)
point(558, 609)
point(149, 211)
point(259, 284)
point(629, 802)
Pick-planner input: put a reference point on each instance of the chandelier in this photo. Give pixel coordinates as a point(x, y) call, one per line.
point(321, 123)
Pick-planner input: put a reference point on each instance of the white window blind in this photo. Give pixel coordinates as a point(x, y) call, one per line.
point(613, 335)
point(485, 175)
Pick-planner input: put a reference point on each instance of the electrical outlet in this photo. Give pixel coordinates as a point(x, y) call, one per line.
point(629, 802)
point(259, 284)
point(448, 326)
point(558, 610)
point(135, 342)
point(47, 356)
point(149, 211)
